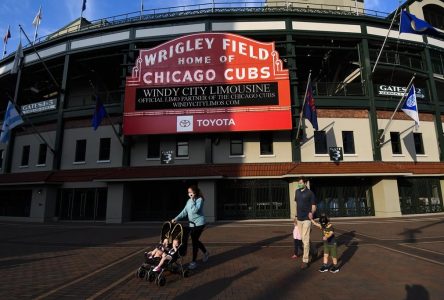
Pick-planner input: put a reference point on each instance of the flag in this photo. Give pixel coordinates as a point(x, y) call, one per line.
point(7, 35)
point(410, 106)
point(12, 119)
point(411, 24)
point(37, 18)
point(18, 59)
point(84, 5)
point(310, 108)
point(99, 114)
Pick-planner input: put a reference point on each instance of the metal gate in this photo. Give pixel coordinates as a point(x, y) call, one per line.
point(419, 195)
point(252, 199)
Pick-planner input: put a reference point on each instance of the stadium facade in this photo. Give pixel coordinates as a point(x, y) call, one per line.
point(212, 95)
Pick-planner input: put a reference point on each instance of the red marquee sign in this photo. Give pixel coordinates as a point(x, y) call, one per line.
point(207, 82)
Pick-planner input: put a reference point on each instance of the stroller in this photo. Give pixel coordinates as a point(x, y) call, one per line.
point(171, 232)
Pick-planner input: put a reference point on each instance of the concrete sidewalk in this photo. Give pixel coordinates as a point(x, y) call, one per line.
point(398, 258)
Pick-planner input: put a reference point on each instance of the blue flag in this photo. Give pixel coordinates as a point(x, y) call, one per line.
point(310, 108)
point(12, 119)
point(99, 114)
point(410, 106)
point(411, 24)
point(84, 5)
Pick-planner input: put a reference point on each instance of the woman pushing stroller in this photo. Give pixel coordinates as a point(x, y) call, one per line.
point(194, 211)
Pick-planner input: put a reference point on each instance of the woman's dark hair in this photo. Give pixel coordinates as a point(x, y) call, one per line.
point(196, 191)
point(323, 220)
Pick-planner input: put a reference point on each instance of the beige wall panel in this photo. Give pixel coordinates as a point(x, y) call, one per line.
point(333, 128)
point(406, 129)
point(92, 148)
point(386, 198)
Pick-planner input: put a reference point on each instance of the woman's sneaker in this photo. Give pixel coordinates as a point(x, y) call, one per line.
point(323, 268)
point(192, 265)
point(334, 269)
point(205, 257)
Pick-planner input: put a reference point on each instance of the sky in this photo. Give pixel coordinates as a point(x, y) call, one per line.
point(58, 13)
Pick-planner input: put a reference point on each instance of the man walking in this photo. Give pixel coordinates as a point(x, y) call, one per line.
point(306, 207)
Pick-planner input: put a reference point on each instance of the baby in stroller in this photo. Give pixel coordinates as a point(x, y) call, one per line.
point(165, 259)
point(160, 249)
point(168, 255)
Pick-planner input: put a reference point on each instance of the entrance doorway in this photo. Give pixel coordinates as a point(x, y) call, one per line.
point(82, 204)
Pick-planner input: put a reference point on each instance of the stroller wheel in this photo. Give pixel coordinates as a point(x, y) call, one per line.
point(162, 281)
point(140, 273)
point(151, 276)
point(186, 273)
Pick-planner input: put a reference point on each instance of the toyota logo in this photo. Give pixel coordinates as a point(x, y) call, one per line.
point(185, 123)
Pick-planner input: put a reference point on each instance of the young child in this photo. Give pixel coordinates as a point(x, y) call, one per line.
point(297, 241)
point(330, 246)
point(158, 251)
point(168, 255)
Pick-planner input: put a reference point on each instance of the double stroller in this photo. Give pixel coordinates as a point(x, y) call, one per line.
point(148, 270)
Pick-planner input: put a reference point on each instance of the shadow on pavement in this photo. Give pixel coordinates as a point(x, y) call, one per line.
point(215, 286)
point(12, 263)
point(346, 239)
point(416, 292)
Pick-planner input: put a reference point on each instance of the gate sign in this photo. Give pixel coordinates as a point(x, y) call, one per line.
point(207, 82)
point(336, 153)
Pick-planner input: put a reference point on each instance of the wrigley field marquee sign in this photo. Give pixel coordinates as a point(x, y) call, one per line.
point(207, 82)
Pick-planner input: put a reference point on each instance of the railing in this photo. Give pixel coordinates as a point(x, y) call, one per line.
point(325, 89)
point(215, 7)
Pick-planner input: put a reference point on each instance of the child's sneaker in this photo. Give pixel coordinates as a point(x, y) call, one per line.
point(334, 269)
point(192, 265)
point(294, 256)
point(156, 269)
point(323, 268)
point(205, 257)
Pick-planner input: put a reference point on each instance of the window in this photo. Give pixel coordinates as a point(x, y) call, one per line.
point(25, 155)
point(182, 148)
point(1, 158)
point(236, 145)
point(153, 147)
point(396, 143)
point(320, 139)
point(80, 151)
point(105, 149)
point(348, 142)
point(266, 143)
point(42, 154)
point(419, 145)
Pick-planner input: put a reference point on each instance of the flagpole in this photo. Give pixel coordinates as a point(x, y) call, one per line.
point(32, 124)
point(40, 59)
point(385, 40)
point(4, 50)
point(302, 108)
point(381, 136)
point(141, 9)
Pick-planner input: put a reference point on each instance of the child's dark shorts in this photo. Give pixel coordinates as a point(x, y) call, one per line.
point(331, 249)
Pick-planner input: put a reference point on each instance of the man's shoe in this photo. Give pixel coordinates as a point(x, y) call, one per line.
point(304, 266)
point(323, 268)
point(334, 269)
point(192, 265)
point(205, 257)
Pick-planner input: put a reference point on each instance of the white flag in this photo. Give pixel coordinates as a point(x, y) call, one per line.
point(410, 106)
point(38, 18)
point(12, 119)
